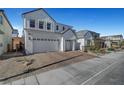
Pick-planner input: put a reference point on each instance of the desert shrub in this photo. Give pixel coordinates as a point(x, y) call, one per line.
point(122, 47)
point(97, 50)
point(102, 50)
point(111, 49)
point(122, 44)
point(94, 49)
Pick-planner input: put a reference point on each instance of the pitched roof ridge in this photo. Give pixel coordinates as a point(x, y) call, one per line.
point(37, 10)
point(1, 10)
point(6, 18)
point(64, 24)
point(65, 30)
point(112, 35)
point(31, 11)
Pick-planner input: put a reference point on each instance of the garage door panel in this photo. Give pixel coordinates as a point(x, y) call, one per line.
point(45, 46)
point(68, 45)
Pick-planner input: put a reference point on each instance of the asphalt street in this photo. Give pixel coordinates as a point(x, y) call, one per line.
point(114, 77)
point(104, 70)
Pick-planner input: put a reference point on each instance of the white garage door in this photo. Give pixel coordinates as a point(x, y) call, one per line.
point(45, 45)
point(68, 45)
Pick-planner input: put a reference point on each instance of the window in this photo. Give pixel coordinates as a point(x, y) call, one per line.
point(48, 39)
point(63, 28)
point(48, 26)
point(38, 38)
point(41, 24)
point(34, 38)
point(29, 38)
point(1, 45)
point(88, 43)
point(29, 33)
point(57, 27)
point(1, 20)
point(32, 23)
point(41, 39)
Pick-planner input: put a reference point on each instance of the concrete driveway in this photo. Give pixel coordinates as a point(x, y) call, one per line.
point(86, 72)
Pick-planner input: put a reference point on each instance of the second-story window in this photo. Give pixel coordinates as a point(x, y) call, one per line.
point(1, 20)
point(57, 27)
point(48, 26)
point(32, 23)
point(41, 24)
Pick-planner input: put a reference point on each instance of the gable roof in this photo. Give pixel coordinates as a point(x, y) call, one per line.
point(69, 29)
point(65, 31)
point(47, 14)
point(2, 11)
point(82, 33)
point(38, 10)
point(64, 25)
point(112, 36)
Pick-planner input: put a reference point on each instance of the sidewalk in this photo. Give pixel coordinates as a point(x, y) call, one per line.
point(79, 73)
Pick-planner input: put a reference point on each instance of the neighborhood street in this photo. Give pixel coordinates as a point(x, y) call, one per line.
point(115, 77)
point(107, 69)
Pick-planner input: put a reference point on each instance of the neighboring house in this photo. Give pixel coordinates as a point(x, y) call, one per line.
point(113, 40)
point(17, 42)
point(1, 42)
point(86, 38)
point(5, 33)
point(15, 33)
point(43, 34)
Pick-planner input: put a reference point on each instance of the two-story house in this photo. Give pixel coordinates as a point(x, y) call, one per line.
point(43, 34)
point(86, 38)
point(5, 33)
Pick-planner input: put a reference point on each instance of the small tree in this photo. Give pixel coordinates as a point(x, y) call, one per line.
point(122, 44)
point(97, 44)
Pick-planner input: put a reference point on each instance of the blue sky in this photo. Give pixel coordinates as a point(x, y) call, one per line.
point(105, 21)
